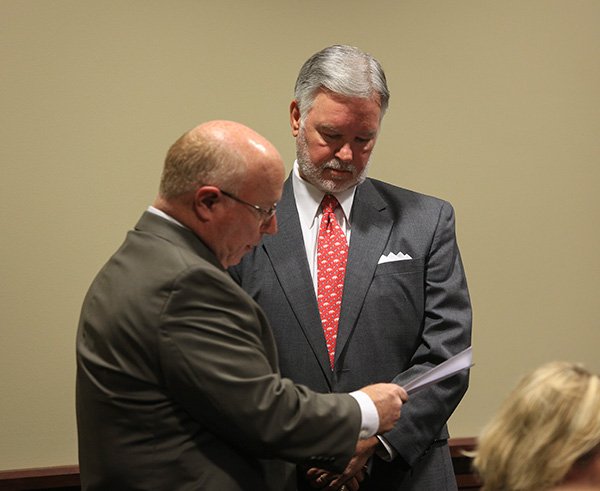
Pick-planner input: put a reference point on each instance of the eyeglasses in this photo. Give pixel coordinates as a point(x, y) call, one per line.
point(267, 214)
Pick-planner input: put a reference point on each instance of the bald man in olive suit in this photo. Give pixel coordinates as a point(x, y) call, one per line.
point(177, 379)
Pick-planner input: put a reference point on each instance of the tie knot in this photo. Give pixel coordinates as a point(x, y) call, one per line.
point(329, 203)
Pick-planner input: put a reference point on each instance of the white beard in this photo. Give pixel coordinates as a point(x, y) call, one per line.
point(314, 174)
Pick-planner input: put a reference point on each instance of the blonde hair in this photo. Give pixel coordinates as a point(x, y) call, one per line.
point(549, 422)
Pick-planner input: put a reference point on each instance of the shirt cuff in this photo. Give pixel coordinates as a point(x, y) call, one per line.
point(385, 451)
point(369, 416)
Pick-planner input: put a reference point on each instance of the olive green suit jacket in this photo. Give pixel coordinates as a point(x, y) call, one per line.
point(177, 378)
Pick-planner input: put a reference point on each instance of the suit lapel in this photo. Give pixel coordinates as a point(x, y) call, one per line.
point(286, 253)
point(371, 226)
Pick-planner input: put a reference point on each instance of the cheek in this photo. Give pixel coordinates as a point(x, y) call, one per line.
point(320, 154)
point(361, 158)
point(365, 150)
point(249, 234)
point(317, 151)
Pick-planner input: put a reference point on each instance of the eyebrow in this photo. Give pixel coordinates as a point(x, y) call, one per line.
point(335, 130)
point(328, 127)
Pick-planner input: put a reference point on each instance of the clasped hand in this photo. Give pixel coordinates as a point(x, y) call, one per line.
point(353, 474)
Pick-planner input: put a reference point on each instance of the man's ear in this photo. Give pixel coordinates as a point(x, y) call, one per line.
point(295, 118)
point(205, 199)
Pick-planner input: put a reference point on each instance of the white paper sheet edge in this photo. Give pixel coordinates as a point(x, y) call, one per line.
point(451, 366)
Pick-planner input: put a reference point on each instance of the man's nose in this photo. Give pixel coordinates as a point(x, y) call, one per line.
point(269, 226)
point(345, 153)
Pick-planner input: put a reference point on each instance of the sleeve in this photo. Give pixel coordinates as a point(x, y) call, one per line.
point(218, 360)
point(446, 331)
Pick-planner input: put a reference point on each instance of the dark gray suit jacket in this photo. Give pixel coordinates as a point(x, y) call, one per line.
point(397, 318)
point(177, 379)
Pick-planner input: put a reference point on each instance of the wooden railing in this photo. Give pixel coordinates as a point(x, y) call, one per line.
point(466, 479)
point(66, 477)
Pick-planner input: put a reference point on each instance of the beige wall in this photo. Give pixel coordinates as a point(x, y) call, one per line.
point(495, 107)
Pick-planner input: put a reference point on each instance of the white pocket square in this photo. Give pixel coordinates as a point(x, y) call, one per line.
point(391, 257)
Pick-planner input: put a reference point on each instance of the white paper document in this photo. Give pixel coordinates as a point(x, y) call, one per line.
point(451, 366)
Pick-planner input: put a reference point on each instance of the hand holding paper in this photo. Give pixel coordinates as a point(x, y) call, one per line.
point(451, 366)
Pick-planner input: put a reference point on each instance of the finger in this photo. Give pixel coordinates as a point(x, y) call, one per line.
point(360, 476)
point(324, 480)
point(353, 484)
point(317, 478)
point(337, 484)
point(403, 394)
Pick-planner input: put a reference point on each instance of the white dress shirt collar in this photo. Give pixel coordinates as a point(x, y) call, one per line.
point(308, 200)
point(162, 214)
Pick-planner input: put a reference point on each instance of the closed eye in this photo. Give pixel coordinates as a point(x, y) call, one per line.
point(331, 136)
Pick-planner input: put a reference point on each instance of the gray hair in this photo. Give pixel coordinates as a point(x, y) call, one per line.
point(343, 70)
point(197, 158)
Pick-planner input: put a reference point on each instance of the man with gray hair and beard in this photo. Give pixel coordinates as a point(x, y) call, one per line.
point(364, 282)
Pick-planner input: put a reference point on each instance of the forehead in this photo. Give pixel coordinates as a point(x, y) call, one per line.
point(264, 180)
point(338, 111)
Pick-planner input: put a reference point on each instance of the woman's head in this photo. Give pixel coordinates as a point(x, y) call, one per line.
point(549, 424)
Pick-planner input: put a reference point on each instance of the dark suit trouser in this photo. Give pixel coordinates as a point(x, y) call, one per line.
point(385, 476)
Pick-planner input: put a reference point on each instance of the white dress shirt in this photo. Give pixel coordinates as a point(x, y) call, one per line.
point(308, 201)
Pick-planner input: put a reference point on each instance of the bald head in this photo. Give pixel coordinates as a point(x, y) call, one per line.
point(218, 153)
point(220, 180)
point(236, 135)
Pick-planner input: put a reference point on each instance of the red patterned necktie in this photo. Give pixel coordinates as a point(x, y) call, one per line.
point(332, 255)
